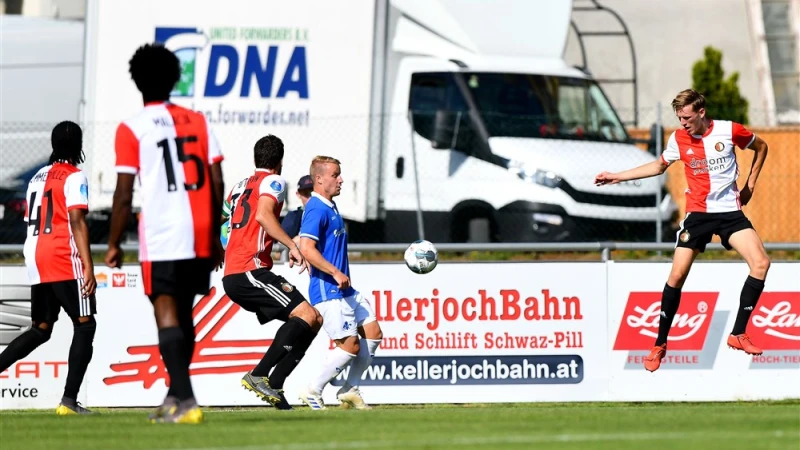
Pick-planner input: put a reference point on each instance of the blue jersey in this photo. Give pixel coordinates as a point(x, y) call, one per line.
point(322, 223)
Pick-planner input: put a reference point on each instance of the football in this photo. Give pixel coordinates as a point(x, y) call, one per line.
point(421, 257)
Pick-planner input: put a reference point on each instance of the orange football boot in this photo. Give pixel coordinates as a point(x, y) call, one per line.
point(742, 342)
point(653, 360)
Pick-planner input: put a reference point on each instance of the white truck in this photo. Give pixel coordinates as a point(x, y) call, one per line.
point(456, 119)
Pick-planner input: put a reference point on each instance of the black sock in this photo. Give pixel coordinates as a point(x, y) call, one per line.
point(670, 300)
point(80, 354)
point(173, 351)
point(287, 365)
point(187, 326)
point(747, 303)
point(22, 346)
point(282, 344)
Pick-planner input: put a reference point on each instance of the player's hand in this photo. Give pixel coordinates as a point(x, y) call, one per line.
point(342, 280)
point(218, 255)
point(606, 178)
point(89, 283)
point(114, 257)
point(296, 259)
point(746, 195)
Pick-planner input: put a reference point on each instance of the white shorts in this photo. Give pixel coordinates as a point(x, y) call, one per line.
point(341, 317)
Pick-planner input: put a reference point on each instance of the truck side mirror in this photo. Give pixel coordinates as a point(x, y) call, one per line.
point(444, 129)
point(656, 133)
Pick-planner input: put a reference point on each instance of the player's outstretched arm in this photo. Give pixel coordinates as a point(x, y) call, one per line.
point(120, 211)
point(759, 146)
point(648, 170)
point(80, 231)
point(309, 249)
point(269, 222)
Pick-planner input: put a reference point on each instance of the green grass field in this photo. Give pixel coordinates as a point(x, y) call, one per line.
point(729, 426)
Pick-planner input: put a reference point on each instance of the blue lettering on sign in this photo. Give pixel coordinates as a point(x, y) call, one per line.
point(226, 66)
point(295, 78)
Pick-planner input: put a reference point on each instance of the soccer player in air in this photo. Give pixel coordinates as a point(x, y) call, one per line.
point(177, 158)
point(346, 313)
point(255, 206)
point(713, 206)
point(59, 262)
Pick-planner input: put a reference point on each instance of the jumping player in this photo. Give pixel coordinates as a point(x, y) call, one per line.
point(177, 159)
point(713, 206)
point(255, 205)
point(345, 312)
point(59, 262)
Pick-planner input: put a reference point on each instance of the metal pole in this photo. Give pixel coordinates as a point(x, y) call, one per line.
point(420, 225)
point(659, 144)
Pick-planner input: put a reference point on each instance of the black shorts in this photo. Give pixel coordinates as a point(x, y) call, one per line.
point(47, 299)
point(182, 278)
point(262, 292)
point(697, 229)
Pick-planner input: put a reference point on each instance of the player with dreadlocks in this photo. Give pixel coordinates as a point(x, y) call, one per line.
point(59, 262)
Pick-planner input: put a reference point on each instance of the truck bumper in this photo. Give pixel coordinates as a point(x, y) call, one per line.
point(539, 222)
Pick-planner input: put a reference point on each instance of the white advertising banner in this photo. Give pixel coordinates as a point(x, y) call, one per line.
point(699, 365)
point(505, 332)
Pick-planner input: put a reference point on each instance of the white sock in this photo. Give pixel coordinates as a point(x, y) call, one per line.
point(337, 361)
point(366, 352)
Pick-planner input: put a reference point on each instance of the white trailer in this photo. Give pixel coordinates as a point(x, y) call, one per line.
point(455, 119)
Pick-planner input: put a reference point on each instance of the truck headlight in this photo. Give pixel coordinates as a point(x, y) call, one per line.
point(531, 175)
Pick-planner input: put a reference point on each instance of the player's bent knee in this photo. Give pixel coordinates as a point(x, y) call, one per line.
point(350, 345)
point(42, 331)
point(308, 314)
point(761, 266)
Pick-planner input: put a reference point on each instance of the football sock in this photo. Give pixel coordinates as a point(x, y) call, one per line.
point(751, 291)
point(337, 361)
point(282, 344)
point(186, 322)
point(22, 346)
point(80, 354)
point(366, 352)
point(173, 351)
point(287, 365)
point(670, 300)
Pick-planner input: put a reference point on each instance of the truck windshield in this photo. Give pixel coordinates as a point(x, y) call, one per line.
point(522, 105)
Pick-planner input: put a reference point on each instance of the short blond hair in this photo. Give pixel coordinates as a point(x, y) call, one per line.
point(688, 97)
point(319, 161)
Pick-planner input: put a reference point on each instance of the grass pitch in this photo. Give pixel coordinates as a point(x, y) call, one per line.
point(745, 425)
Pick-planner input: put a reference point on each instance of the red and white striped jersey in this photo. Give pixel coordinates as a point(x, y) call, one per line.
point(249, 245)
point(50, 251)
point(710, 165)
point(171, 148)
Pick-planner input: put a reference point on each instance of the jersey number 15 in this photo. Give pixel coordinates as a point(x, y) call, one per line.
point(184, 158)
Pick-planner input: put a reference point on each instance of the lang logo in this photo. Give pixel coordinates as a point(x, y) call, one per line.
point(229, 64)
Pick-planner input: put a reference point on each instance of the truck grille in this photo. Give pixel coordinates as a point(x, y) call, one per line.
point(627, 201)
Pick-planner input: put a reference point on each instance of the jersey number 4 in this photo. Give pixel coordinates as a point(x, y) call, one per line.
point(48, 215)
point(184, 158)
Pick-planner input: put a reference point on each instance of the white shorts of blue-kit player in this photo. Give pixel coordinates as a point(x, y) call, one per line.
point(341, 317)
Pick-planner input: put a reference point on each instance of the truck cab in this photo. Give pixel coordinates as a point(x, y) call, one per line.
point(507, 150)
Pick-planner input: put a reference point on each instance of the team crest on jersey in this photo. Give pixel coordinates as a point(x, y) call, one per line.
point(685, 236)
point(287, 287)
point(719, 146)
